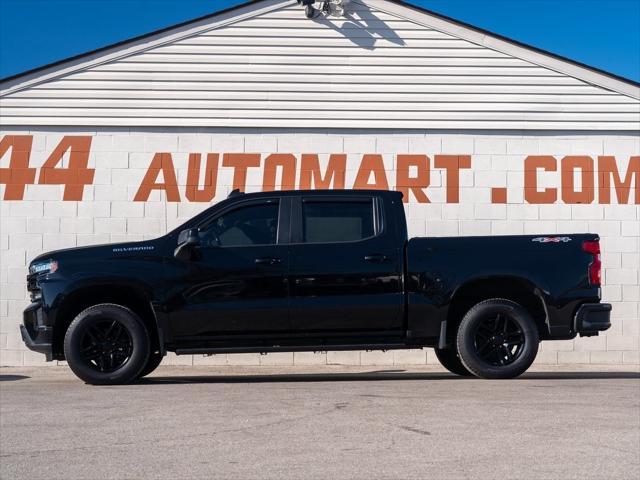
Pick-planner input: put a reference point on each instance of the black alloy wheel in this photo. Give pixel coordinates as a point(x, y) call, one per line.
point(497, 338)
point(107, 344)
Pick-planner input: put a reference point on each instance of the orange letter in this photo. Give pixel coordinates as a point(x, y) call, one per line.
point(371, 164)
point(76, 175)
point(311, 177)
point(18, 175)
point(453, 164)
point(288, 163)
point(569, 193)
point(405, 184)
point(531, 166)
point(162, 162)
point(208, 192)
point(607, 168)
point(240, 163)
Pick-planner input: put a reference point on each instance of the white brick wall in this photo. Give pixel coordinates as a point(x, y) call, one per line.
point(43, 221)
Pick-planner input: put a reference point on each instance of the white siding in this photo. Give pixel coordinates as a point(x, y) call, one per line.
point(279, 69)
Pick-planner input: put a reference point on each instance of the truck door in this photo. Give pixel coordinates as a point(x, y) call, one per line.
point(237, 284)
point(346, 267)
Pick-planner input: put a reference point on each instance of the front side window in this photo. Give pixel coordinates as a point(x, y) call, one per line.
point(243, 226)
point(325, 222)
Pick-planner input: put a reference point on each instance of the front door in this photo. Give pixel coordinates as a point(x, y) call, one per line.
point(346, 268)
point(237, 283)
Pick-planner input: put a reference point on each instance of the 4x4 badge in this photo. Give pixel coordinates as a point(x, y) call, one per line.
point(552, 239)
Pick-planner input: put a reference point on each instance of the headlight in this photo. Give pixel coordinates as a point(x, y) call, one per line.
point(49, 266)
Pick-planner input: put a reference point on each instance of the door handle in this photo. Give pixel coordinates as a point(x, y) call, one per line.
point(375, 258)
point(267, 260)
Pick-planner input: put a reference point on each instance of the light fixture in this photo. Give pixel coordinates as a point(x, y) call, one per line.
point(334, 8)
point(309, 9)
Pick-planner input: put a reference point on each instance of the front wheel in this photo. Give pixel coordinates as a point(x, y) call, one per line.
point(107, 344)
point(497, 338)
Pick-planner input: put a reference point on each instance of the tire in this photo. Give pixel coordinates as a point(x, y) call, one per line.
point(107, 344)
point(152, 363)
point(450, 360)
point(497, 338)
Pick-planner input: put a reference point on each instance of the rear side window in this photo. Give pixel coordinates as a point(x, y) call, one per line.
point(325, 222)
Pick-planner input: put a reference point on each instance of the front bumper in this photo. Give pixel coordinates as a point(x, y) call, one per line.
point(35, 335)
point(592, 318)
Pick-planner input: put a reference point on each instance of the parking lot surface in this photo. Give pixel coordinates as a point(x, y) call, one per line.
point(302, 423)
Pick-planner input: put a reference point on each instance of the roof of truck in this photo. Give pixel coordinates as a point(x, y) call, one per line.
point(342, 192)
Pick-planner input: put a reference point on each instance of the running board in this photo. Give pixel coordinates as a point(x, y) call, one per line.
point(292, 348)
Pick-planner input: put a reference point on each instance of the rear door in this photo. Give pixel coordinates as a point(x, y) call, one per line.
point(346, 267)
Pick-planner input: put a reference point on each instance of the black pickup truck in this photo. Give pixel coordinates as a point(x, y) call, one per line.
point(312, 271)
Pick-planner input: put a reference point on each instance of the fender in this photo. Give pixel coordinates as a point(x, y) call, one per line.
point(522, 284)
point(130, 292)
point(534, 285)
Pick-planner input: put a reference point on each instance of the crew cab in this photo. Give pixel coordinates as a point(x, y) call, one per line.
point(294, 271)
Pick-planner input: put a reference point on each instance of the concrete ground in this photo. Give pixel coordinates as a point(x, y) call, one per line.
point(329, 422)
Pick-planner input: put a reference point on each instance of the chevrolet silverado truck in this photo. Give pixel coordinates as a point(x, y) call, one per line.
point(296, 271)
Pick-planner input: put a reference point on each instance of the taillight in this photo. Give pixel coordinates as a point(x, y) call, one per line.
point(593, 247)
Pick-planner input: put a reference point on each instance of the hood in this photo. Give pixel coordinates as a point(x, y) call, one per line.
point(101, 252)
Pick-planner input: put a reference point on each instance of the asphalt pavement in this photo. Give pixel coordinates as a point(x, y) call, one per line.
point(304, 423)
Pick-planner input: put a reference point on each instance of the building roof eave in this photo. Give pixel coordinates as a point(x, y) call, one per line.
point(252, 8)
point(541, 57)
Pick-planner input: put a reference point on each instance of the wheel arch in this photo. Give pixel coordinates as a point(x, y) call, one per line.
point(79, 299)
point(517, 289)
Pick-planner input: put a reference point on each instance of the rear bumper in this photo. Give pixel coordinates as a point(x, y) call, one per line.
point(592, 318)
point(35, 335)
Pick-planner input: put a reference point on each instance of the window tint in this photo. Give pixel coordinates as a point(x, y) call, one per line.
point(250, 225)
point(325, 222)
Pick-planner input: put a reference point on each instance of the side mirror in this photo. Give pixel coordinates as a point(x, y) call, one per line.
point(188, 240)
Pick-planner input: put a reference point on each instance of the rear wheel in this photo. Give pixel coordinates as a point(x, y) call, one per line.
point(154, 362)
point(450, 360)
point(107, 344)
point(497, 338)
